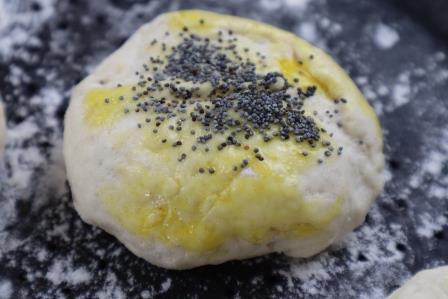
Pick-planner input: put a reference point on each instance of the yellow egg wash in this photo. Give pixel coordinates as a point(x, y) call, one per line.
point(177, 204)
point(103, 106)
point(194, 196)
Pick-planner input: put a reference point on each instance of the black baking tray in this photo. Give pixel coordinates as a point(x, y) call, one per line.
point(46, 251)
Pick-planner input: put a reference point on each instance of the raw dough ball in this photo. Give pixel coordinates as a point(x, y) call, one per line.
point(426, 284)
point(207, 138)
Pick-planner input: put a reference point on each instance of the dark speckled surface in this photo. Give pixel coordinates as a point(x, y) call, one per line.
point(47, 252)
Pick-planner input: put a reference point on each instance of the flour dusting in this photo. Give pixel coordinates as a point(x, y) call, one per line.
point(62, 271)
point(385, 37)
point(47, 46)
point(6, 290)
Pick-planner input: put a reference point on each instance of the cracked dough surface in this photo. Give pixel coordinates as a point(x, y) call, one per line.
point(124, 181)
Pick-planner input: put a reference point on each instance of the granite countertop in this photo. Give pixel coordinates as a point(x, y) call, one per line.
point(46, 251)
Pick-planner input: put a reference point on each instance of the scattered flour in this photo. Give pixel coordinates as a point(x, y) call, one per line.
point(270, 5)
point(166, 285)
point(22, 24)
point(400, 94)
point(371, 249)
point(429, 225)
point(432, 165)
point(385, 37)
point(111, 289)
point(63, 271)
point(5, 289)
point(313, 274)
point(308, 31)
point(146, 294)
point(440, 192)
point(297, 4)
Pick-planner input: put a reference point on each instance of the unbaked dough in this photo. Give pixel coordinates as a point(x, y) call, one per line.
point(207, 138)
point(427, 284)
